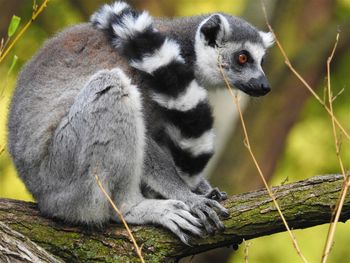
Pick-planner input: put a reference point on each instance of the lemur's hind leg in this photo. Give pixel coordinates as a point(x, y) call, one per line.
point(98, 136)
point(104, 135)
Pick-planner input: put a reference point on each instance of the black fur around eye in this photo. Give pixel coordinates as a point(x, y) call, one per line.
point(242, 57)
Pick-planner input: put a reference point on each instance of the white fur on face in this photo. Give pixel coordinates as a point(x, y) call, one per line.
point(206, 64)
point(257, 51)
point(206, 67)
point(168, 52)
point(196, 146)
point(189, 99)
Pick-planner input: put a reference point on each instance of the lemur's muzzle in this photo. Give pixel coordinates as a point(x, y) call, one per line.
point(255, 87)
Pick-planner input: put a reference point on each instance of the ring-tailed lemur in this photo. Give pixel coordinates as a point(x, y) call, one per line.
point(125, 97)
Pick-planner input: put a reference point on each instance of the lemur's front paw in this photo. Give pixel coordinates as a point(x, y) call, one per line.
point(207, 210)
point(178, 219)
point(216, 194)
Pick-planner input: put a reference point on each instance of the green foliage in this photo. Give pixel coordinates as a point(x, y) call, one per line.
point(13, 64)
point(13, 26)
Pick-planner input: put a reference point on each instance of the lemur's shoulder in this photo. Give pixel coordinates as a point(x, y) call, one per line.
point(80, 47)
point(89, 46)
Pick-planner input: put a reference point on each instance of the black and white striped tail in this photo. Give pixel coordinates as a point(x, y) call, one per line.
point(174, 88)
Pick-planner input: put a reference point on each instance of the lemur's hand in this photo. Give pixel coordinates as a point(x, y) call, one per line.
point(216, 194)
point(205, 189)
point(207, 210)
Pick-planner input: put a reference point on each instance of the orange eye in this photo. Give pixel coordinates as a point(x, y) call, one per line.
point(242, 59)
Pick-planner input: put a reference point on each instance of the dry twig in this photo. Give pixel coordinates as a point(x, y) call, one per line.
point(335, 123)
point(2, 149)
point(247, 144)
point(296, 73)
point(137, 248)
point(340, 203)
point(246, 251)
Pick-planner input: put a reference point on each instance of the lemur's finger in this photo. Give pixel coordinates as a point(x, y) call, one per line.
point(216, 194)
point(182, 223)
point(181, 205)
point(189, 217)
point(213, 194)
point(214, 217)
point(222, 210)
point(204, 219)
point(177, 231)
point(223, 196)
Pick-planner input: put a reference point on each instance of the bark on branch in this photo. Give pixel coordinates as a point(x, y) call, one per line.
point(304, 204)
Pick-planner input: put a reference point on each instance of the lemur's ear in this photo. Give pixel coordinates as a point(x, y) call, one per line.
point(213, 29)
point(267, 38)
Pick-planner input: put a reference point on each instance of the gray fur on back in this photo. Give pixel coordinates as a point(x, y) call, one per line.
point(47, 87)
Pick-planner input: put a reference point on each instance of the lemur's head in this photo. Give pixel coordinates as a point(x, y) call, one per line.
point(241, 48)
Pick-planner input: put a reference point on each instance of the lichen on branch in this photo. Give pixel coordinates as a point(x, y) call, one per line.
point(304, 204)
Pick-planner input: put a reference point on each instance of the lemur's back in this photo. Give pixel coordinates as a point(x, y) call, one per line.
point(48, 85)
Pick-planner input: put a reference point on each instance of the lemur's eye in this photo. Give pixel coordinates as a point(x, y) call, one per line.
point(242, 57)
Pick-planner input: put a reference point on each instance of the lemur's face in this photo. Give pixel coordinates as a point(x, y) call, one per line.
point(238, 48)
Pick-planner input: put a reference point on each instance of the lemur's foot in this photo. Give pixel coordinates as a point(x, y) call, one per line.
point(207, 211)
point(180, 221)
point(216, 194)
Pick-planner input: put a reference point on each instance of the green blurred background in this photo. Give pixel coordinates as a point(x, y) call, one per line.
point(290, 133)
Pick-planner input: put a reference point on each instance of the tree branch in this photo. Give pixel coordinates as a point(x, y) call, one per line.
point(14, 247)
point(304, 204)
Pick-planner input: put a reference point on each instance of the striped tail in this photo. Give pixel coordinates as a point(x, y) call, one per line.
point(174, 88)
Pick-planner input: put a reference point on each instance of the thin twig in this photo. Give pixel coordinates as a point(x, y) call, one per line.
point(4, 45)
point(24, 29)
point(137, 248)
point(290, 66)
point(247, 144)
point(246, 251)
point(335, 123)
point(330, 100)
point(338, 208)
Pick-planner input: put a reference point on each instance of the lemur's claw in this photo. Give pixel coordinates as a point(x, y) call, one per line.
point(181, 222)
point(207, 211)
point(216, 194)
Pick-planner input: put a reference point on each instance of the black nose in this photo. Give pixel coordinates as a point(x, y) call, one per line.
point(255, 87)
point(265, 89)
point(258, 86)
point(264, 85)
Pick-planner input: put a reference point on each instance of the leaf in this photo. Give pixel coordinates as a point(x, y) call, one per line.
point(13, 64)
point(15, 20)
point(35, 6)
